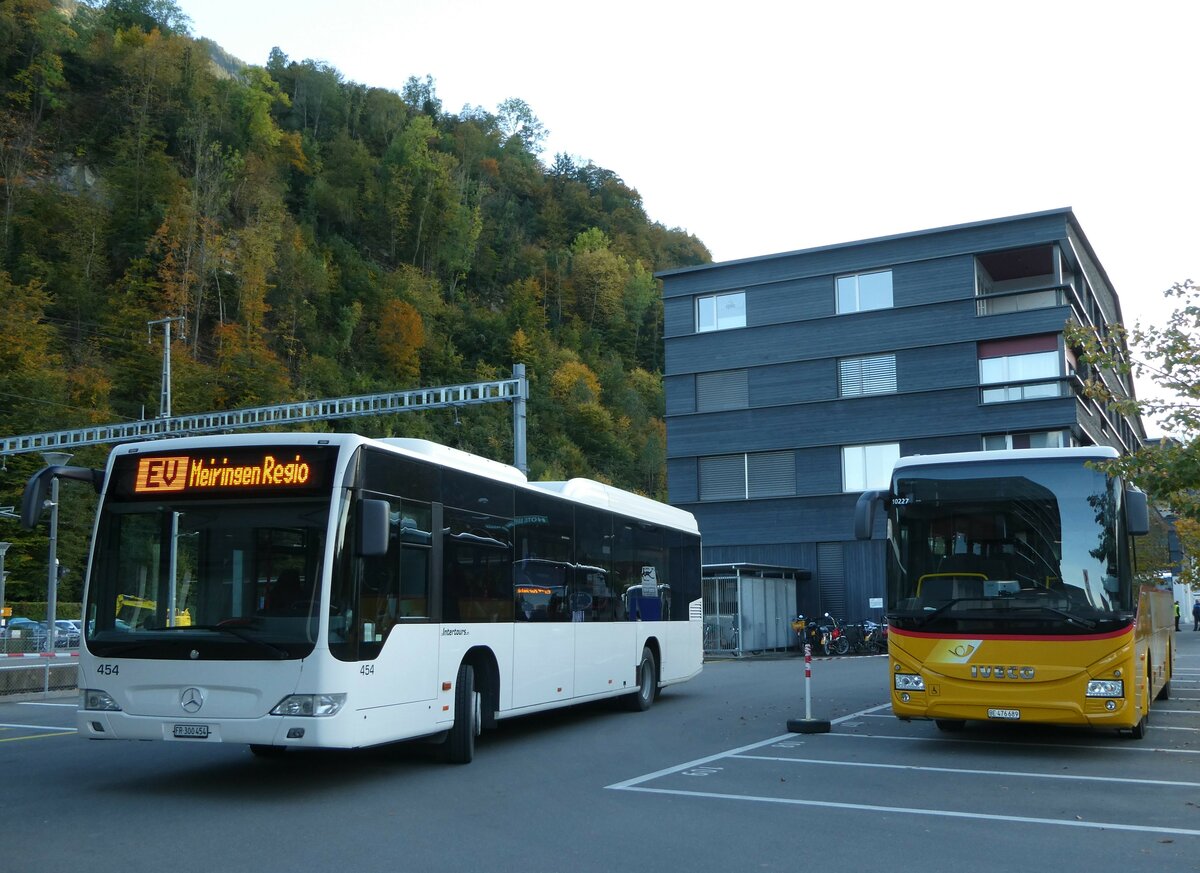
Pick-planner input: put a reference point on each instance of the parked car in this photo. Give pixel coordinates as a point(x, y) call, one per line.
point(25, 634)
point(67, 634)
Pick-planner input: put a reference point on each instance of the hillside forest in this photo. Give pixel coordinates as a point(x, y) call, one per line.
point(318, 238)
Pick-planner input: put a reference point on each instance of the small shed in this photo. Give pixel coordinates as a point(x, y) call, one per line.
point(750, 607)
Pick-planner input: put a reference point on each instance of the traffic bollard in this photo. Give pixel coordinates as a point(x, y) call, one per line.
point(808, 724)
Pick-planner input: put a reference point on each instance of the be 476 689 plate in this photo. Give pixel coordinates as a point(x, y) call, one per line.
point(1010, 714)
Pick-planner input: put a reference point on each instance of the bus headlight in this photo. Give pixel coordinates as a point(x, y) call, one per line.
point(1106, 688)
point(909, 682)
point(99, 701)
point(317, 705)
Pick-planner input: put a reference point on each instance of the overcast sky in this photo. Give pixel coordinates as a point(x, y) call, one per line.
point(765, 127)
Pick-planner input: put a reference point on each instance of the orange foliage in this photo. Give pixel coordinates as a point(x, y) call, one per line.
point(401, 338)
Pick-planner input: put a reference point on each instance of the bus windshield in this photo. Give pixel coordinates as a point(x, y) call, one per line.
point(242, 576)
point(983, 547)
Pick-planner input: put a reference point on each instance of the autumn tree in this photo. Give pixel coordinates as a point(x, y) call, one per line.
point(401, 336)
point(1169, 354)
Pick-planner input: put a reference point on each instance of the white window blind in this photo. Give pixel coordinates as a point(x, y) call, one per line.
point(873, 375)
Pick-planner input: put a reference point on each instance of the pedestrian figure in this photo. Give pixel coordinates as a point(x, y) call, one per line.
point(1176, 615)
point(1196, 615)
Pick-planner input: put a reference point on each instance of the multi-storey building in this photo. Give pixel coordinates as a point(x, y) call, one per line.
point(794, 381)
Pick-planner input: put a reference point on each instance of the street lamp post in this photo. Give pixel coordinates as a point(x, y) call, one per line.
point(3, 549)
point(53, 459)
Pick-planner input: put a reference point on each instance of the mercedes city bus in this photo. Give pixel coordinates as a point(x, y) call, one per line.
point(345, 592)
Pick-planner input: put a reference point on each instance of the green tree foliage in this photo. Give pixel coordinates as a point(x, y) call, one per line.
point(1170, 355)
point(320, 237)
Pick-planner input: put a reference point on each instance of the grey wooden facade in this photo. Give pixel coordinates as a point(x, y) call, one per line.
point(770, 389)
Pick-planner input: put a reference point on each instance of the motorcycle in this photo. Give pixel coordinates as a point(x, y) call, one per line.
point(834, 639)
point(807, 631)
point(827, 635)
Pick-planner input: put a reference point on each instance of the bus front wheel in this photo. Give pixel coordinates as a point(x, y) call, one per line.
point(460, 739)
point(647, 684)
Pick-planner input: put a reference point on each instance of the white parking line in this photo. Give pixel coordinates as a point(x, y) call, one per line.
point(991, 818)
point(973, 772)
point(636, 784)
point(40, 703)
point(38, 727)
point(1023, 745)
point(699, 762)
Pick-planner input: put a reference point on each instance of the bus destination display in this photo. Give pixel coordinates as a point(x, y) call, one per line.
point(269, 470)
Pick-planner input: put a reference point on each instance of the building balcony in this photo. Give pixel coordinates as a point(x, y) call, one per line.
point(1029, 389)
point(1022, 300)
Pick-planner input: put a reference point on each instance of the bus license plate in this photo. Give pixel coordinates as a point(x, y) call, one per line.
point(191, 731)
point(1012, 714)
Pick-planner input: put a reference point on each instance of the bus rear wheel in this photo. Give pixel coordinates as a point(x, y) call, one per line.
point(459, 745)
point(950, 725)
point(647, 684)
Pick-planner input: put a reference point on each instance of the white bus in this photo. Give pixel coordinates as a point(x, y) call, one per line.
point(321, 590)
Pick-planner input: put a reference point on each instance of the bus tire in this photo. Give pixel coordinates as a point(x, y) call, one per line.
point(647, 690)
point(950, 725)
point(459, 745)
point(261, 750)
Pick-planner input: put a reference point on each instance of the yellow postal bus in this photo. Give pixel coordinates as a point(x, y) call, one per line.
point(1010, 592)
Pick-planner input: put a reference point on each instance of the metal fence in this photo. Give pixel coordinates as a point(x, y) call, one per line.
point(38, 673)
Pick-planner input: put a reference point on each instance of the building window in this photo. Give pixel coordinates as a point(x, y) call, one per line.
point(866, 467)
point(771, 474)
point(864, 291)
point(721, 311)
point(729, 389)
point(740, 477)
point(873, 375)
point(1014, 366)
point(723, 478)
point(1047, 439)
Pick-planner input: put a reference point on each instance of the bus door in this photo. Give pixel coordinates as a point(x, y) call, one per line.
point(380, 616)
point(543, 668)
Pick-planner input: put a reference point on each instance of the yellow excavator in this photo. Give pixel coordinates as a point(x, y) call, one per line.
point(131, 605)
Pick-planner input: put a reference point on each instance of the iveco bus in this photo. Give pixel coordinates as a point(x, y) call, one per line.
point(1011, 593)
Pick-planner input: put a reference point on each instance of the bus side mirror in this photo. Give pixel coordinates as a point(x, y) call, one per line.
point(1137, 512)
point(33, 500)
point(374, 527)
point(864, 513)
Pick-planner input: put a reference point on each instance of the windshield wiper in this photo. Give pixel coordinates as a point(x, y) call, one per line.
point(232, 630)
point(1085, 623)
point(930, 613)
